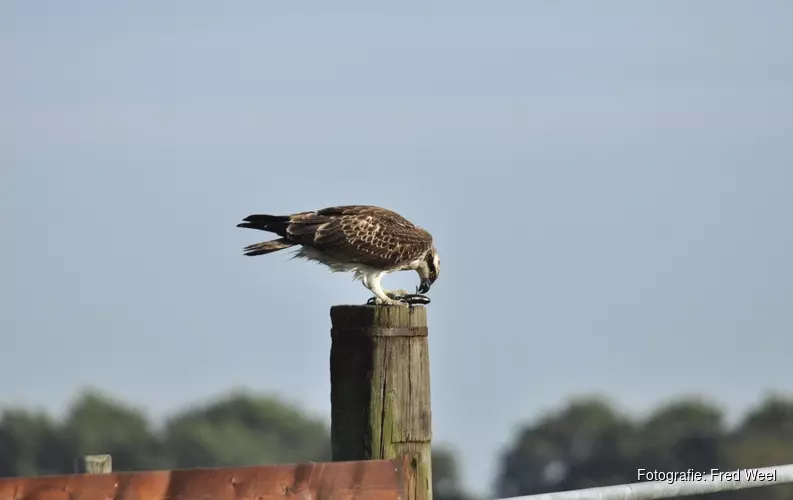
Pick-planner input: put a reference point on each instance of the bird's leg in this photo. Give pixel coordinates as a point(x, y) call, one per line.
point(392, 294)
point(381, 297)
point(398, 294)
point(365, 281)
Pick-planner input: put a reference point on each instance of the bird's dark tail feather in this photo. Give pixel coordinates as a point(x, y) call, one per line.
point(273, 223)
point(266, 247)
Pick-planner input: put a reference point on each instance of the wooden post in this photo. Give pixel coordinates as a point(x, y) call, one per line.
point(380, 388)
point(93, 464)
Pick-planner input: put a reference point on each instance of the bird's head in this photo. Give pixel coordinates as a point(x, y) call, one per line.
point(429, 270)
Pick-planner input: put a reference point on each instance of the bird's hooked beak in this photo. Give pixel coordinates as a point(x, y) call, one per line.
point(425, 285)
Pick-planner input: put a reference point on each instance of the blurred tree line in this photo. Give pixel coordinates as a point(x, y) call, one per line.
point(585, 444)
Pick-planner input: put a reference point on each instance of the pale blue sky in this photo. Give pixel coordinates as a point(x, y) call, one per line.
point(610, 185)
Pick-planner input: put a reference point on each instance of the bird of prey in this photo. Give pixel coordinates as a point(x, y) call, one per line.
point(366, 240)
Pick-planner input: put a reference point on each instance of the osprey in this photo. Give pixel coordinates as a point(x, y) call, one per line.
point(367, 240)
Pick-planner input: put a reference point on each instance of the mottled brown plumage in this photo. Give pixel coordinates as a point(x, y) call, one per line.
point(371, 241)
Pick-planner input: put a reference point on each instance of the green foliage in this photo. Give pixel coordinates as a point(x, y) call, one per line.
point(446, 475)
point(24, 439)
point(241, 430)
point(586, 443)
point(97, 424)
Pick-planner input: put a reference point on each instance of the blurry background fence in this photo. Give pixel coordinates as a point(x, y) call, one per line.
point(363, 480)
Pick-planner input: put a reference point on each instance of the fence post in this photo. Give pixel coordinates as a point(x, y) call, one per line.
point(93, 464)
point(380, 388)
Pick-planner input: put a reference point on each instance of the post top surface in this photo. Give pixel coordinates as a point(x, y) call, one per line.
point(364, 316)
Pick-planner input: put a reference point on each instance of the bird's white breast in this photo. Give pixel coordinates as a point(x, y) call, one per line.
point(336, 265)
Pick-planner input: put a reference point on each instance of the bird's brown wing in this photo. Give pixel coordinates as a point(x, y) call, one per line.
point(368, 235)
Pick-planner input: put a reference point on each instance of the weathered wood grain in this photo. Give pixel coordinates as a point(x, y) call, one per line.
point(380, 388)
point(93, 464)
